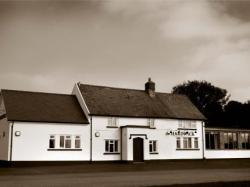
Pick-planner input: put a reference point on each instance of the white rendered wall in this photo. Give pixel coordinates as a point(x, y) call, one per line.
point(166, 143)
point(4, 139)
point(220, 154)
point(99, 124)
point(33, 143)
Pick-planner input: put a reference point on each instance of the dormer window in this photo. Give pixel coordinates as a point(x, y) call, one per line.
point(112, 121)
point(151, 123)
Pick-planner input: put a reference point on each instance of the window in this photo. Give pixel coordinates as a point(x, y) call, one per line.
point(235, 140)
point(112, 121)
point(65, 142)
point(212, 140)
point(178, 143)
point(196, 143)
point(77, 142)
point(52, 142)
point(151, 123)
point(244, 142)
point(59, 142)
point(187, 124)
point(153, 146)
point(189, 145)
point(230, 140)
point(227, 140)
point(185, 142)
point(68, 142)
point(247, 140)
point(111, 146)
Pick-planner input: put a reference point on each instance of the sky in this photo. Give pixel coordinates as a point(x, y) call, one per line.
point(50, 45)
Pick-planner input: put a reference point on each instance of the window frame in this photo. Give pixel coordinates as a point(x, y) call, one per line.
point(111, 146)
point(187, 143)
point(52, 138)
point(178, 142)
point(196, 143)
point(64, 142)
point(228, 140)
point(212, 140)
point(151, 122)
point(112, 122)
point(68, 142)
point(78, 138)
point(187, 124)
point(153, 146)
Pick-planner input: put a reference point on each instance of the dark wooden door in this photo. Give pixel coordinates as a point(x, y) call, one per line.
point(138, 150)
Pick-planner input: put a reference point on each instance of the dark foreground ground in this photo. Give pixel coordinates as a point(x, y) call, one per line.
point(218, 173)
point(213, 184)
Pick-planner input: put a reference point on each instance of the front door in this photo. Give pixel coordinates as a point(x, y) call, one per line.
point(138, 150)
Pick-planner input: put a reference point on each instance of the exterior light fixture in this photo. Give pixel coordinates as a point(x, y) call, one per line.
point(17, 133)
point(97, 134)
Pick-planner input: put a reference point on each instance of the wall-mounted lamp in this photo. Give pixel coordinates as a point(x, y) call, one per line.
point(97, 134)
point(17, 133)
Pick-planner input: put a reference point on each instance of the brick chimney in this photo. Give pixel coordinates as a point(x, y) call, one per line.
point(150, 88)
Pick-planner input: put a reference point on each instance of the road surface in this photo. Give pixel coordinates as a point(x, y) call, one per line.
point(128, 178)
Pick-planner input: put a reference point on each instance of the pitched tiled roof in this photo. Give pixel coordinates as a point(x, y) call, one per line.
point(107, 101)
point(42, 107)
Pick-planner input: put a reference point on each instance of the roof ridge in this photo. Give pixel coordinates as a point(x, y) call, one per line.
point(36, 92)
point(110, 87)
point(117, 88)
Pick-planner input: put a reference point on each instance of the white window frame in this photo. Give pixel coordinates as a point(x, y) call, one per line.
point(65, 141)
point(151, 122)
point(187, 124)
point(178, 142)
point(180, 123)
point(68, 138)
point(111, 148)
point(196, 143)
point(185, 142)
point(244, 140)
point(112, 121)
point(154, 145)
point(78, 138)
point(190, 143)
point(52, 138)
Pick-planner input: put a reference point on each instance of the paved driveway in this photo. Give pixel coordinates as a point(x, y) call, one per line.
point(129, 178)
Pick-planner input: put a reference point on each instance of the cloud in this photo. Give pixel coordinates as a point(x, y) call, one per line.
point(48, 45)
point(213, 44)
point(192, 19)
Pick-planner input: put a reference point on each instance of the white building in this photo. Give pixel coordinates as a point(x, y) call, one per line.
point(98, 123)
point(42, 127)
point(137, 125)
